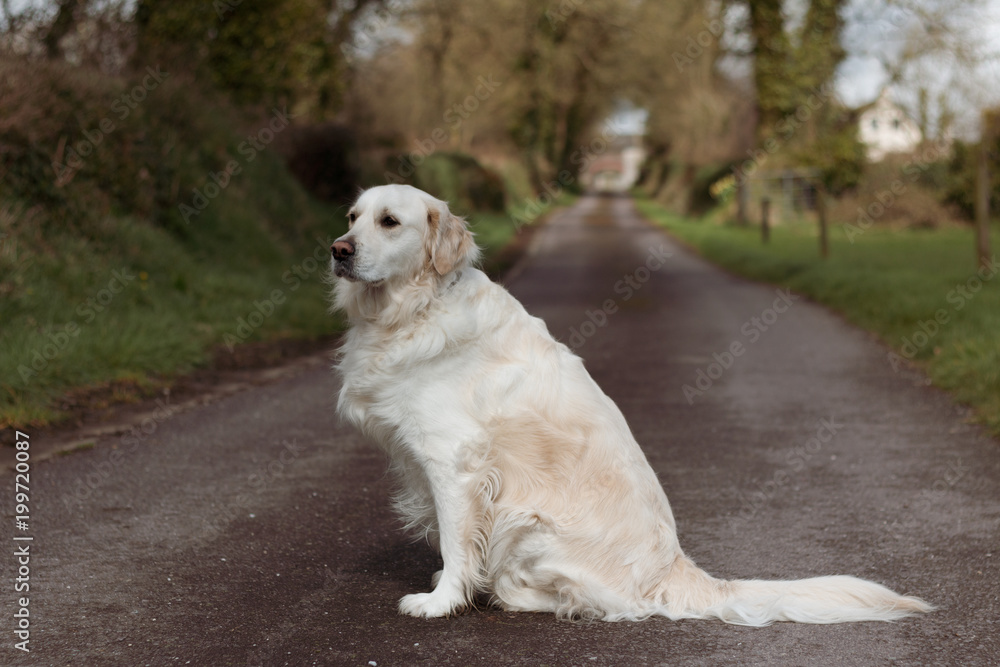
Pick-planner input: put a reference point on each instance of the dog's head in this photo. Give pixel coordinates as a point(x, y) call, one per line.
point(398, 233)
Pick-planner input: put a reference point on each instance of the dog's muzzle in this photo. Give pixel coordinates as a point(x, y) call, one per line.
point(343, 258)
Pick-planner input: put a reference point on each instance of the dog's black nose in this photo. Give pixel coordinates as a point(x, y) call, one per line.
point(342, 250)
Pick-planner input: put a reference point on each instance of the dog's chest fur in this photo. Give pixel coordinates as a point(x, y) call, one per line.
point(392, 378)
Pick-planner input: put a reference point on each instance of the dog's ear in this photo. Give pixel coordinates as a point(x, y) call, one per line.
point(450, 244)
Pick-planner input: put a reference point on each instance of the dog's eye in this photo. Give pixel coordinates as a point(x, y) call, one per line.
point(389, 221)
point(351, 217)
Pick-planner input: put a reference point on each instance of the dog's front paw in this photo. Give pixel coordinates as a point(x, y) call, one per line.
point(429, 605)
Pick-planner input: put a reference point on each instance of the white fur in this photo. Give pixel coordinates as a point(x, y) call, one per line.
point(511, 459)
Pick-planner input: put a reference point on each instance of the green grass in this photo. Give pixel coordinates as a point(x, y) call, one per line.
point(894, 283)
point(140, 305)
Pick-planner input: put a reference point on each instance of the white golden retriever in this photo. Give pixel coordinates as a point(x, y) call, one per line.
point(510, 458)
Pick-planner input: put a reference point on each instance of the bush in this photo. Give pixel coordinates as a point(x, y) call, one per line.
point(898, 191)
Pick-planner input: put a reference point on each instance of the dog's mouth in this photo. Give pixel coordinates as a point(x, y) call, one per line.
point(344, 270)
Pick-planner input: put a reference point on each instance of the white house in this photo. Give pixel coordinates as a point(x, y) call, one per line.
point(885, 128)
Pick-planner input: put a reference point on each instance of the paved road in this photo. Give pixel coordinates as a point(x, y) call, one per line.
point(256, 530)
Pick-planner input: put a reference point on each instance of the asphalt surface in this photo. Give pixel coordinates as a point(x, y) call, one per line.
point(256, 530)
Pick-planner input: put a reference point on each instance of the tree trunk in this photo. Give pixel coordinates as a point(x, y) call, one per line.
point(62, 25)
point(772, 58)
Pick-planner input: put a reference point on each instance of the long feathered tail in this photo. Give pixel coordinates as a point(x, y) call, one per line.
point(691, 593)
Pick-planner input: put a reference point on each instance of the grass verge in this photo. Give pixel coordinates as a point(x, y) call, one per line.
point(919, 290)
point(121, 315)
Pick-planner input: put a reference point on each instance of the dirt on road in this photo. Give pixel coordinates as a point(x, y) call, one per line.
point(256, 530)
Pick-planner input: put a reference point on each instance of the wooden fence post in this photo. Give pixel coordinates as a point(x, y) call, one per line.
point(983, 204)
point(765, 219)
point(824, 242)
point(742, 193)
